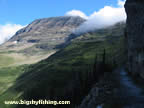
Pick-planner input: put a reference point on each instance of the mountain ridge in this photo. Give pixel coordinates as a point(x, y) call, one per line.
point(39, 39)
point(45, 30)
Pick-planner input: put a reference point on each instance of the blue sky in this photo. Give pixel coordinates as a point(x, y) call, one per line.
point(24, 11)
point(16, 14)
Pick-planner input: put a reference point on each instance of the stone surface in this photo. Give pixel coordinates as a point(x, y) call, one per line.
point(135, 36)
point(99, 94)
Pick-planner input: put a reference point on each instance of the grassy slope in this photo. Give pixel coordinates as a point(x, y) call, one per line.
point(58, 70)
point(12, 66)
point(8, 76)
point(5, 60)
point(16, 59)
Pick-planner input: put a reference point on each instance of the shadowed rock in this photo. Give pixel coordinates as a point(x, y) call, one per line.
point(135, 36)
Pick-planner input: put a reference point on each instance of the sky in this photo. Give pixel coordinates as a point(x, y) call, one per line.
point(16, 14)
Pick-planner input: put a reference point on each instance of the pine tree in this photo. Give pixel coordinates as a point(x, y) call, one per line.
point(104, 57)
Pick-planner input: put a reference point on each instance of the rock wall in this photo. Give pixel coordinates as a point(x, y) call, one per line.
point(135, 36)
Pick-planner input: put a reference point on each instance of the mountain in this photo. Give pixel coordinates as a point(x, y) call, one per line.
point(69, 74)
point(39, 39)
point(44, 33)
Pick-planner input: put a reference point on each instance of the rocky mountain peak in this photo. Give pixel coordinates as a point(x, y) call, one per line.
point(43, 33)
point(52, 22)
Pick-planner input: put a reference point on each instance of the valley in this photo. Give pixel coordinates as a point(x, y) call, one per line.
point(92, 60)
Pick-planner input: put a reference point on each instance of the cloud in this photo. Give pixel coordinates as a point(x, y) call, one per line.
point(104, 17)
point(7, 31)
point(121, 3)
point(76, 13)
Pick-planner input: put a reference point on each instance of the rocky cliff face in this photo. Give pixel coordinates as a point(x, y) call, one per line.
point(135, 36)
point(43, 34)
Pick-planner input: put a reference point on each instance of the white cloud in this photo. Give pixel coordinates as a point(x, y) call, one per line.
point(7, 31)
point(76, 13)
point(105, 17)
point(121, 3)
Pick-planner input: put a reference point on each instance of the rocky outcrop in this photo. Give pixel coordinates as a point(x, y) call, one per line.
point(102, 93)
point(135, 36)
point(98, 95)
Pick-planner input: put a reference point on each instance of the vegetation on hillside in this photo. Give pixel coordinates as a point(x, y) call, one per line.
point(70, 73)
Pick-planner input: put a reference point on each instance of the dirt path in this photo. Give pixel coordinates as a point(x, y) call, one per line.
point(129, 93)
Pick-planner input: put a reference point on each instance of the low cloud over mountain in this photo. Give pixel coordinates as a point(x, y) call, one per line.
point(105, 17)
point(7, 31)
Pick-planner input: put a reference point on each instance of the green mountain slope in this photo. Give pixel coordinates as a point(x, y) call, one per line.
point(57, 76)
